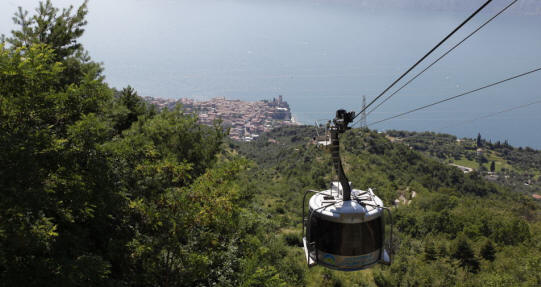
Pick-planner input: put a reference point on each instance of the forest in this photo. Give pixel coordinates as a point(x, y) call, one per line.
point(98, 188)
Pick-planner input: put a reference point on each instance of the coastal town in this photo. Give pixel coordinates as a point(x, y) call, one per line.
point(245, 120)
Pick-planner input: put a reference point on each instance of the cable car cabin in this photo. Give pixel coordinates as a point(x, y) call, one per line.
point(345, 228)
point(346, 235)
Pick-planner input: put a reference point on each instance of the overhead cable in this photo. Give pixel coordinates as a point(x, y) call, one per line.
point(477, 118)
point(454, 97)
point(424, 57)
point(495, 114)
point(442, 56)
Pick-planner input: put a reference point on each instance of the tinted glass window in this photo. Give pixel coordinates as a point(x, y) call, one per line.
point(346, 239)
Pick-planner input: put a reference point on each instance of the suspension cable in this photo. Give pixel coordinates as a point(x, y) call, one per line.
point(442, 56)
point(494, 114)
point(454, 97)
point(424, 57)
point(420, 134)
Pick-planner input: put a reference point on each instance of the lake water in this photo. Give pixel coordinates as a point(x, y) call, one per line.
point(320, 58)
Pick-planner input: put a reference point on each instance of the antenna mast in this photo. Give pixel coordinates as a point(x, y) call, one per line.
point(363, 114)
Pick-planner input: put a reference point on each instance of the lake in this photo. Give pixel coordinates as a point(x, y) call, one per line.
point(321, 57)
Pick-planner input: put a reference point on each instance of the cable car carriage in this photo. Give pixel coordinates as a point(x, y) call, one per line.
point(344, 228)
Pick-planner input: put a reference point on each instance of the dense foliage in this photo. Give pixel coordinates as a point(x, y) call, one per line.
point(97, 188)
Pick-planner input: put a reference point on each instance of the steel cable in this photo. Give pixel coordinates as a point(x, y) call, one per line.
point(454, 97)
point(425, 56)
point(442, 56)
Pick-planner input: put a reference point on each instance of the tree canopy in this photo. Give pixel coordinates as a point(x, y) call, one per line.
point(97, 188)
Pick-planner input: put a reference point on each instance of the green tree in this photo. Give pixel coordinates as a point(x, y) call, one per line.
point(60, 30)
point(54, 183)
point(462, 251)
point(488, 251)
point(442, 250)
point(127, 108)
point(430, 251)
point(492, 166)
point(89, 205)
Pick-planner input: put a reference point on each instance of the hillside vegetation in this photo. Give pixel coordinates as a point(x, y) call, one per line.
point(459, 229)
point(97, 188)
point(518, 168)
